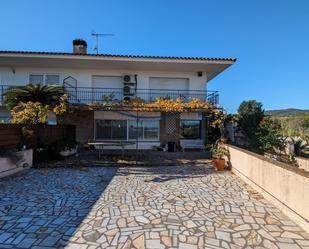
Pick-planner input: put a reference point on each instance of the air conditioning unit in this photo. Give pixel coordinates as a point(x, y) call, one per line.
point(129, 86)
point(129, 79)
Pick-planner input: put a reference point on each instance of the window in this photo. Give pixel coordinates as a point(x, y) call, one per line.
point(146, 130)
point(151, 130)
point(44, 79)
point(127, 130)
point(36, 79)
point(135, 129)
point(190, 129)
point(111, 129)
point(51, 79)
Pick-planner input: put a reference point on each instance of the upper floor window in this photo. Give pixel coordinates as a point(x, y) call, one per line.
point(44, 79)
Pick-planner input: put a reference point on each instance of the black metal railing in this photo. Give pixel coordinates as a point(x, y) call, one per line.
point(91, 95)
point(86, 95)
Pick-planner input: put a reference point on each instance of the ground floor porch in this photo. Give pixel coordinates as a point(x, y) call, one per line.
point(145, 129)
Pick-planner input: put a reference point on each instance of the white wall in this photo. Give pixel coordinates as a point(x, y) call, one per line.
point(20, 76)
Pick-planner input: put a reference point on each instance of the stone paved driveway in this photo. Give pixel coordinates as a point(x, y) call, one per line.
point(158, 207)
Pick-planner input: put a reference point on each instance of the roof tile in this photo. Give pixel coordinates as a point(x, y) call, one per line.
point(121, 56)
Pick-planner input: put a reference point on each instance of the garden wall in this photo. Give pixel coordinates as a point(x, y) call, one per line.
point(303, 163)
point(15, 162)
point(285, 186)
point(11, 135)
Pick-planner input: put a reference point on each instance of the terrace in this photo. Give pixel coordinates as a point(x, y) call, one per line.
point(140, 207)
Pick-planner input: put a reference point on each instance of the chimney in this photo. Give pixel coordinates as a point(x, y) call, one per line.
point(79, 46)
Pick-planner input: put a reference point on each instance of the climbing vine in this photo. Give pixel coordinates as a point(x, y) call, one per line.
point(168, 105)
point(36, 112)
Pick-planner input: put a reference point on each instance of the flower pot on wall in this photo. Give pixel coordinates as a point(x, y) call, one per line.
point(219, 164)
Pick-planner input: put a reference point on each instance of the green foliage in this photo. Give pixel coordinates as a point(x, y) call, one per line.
point(44, 94)
point(300, 147)
point(287, 112)
point(220, 151)
point(306, 122)
point(250, 115)
point(269, 136)
point(295, 126)
point(262, 133)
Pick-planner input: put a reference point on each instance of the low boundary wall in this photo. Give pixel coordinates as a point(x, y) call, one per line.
point(287, 187)
point(16, 162)
point(303, 163)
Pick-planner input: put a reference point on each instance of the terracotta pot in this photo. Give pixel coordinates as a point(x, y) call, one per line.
point(219, 164)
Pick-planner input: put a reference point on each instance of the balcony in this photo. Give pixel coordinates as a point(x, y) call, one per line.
point(91, 95)
point(86, 95)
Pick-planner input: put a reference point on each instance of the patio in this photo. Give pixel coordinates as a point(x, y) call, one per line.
point(139, 207)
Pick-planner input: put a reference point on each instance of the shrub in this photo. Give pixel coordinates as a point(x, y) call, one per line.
point(269, 136)
point(250, 115)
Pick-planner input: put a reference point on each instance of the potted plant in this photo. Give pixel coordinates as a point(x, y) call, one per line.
point(219, 152)
point(64, 147)
point(68, 148)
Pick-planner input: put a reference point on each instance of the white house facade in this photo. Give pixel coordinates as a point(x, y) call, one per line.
point(89, 78)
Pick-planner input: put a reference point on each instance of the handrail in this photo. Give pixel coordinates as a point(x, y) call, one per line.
point(83, 95)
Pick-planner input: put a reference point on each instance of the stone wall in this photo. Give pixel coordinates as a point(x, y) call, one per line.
point(284, 185)
point(84, 122)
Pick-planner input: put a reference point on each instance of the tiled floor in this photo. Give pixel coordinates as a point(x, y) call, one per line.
point(157, 207)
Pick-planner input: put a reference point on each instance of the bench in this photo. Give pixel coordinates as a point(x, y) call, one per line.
point(192, 144)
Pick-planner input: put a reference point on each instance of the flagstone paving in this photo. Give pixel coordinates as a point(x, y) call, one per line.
point(155, 207)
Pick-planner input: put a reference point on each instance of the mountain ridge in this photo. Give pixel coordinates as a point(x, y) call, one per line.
point(287, 112)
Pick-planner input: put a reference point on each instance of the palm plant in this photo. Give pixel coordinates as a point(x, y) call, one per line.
point(299, 146)
point(45, 94)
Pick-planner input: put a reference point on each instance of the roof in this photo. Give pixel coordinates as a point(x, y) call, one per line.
point(121, 56)
point(128, 63)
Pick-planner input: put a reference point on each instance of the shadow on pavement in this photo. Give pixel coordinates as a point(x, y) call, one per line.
point(44, 208)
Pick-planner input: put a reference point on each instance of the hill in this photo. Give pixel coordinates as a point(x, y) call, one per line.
point(287, 112)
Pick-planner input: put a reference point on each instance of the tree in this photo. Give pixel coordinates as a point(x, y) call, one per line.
point(250, 116)
point(44, 94)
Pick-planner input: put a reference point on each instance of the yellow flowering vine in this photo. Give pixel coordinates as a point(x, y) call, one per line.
point(165, 105)
point(159, 104)
point(36, 112)
point(61, 107)
point(29, 113)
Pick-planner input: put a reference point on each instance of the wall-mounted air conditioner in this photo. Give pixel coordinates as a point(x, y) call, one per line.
point(129, 79)
point(129, 86)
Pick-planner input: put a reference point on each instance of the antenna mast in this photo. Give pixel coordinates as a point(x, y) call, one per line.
point(97, 36)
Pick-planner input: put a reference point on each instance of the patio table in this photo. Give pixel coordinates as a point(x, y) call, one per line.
point(100, 145)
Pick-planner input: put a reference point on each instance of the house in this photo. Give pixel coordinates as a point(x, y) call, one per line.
point(89, 78)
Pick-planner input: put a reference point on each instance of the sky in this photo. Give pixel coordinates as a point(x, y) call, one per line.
point(269, 38)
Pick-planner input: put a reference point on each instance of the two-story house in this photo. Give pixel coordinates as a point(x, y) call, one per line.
point(89, 78)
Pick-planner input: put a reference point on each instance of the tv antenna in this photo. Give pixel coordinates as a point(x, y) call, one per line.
point(96, 37)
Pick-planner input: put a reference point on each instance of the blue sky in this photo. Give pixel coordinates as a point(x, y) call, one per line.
point(270, 38)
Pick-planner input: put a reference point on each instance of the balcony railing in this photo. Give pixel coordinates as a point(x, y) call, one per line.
point(90, 95)
point(85, 95)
